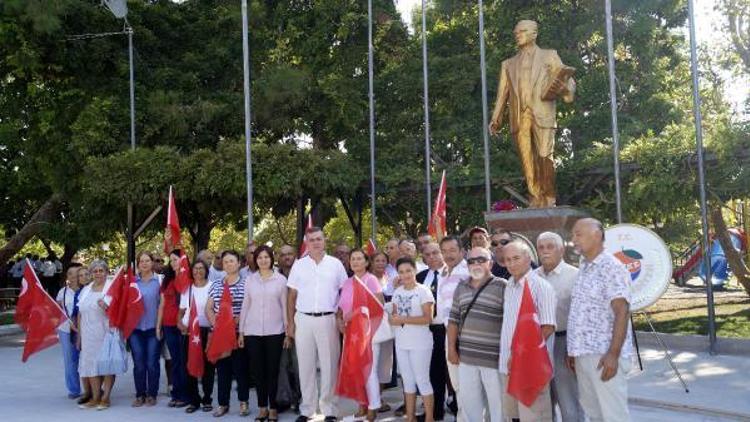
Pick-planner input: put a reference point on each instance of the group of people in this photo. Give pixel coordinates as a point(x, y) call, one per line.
point(49, 269)
point(452, 312)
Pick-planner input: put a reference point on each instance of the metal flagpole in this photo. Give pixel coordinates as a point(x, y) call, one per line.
point(702, 179)
point(248, 121)
point(371, 95)
point(427, 153)
point(485, 135)
point(613, 106)
point(131, 211)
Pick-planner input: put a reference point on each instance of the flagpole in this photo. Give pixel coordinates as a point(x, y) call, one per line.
point(427, 153)
point(131, 210)
point(485, 134)
point(248, 121)
point(702, 180)
point(371, 95)
point(613, 107)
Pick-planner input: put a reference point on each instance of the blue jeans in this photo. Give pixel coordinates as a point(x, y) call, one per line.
point(145, 347)
point(173, 337)
point(70, 359)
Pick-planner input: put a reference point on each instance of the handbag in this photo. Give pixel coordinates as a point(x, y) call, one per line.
point(113, 358)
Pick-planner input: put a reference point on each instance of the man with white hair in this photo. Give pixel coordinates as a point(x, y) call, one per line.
point(561, 276)
point(599, 335)
point(517, 256)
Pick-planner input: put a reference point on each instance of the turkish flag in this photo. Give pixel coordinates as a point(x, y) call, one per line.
point(356, 357)
point(303, 246)
point(172, 233)
point(437, 225)
point(184, 277)
point(530, 367)
point(224, 336)
point(371, 249)
point(195, 350)
point(126, 307)
point(37, 314)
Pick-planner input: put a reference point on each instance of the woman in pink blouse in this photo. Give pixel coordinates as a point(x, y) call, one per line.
point(359, 262)
point(261, 329)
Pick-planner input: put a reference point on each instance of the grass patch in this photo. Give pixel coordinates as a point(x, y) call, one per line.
point(6, 319)
point(732, 320)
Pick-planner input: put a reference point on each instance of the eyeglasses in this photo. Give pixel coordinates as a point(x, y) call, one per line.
point(501, 242)
point(477, 260)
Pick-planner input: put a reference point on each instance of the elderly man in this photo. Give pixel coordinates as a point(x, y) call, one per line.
point(215, 273)
point(438, 365)
point(249, 268)
point(314, 284)
point(287, 255)
point(561, 276)
point(599, 335)
point(456, 270)
point(518, 260)
point(474, 326)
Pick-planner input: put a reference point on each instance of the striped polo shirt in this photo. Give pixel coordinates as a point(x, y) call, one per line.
point(237, 290)
point(479, 338)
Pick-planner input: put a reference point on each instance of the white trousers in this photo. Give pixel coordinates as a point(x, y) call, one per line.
point(564, 386)
point(603, 401)
point(317, 341)
point(373, 381)
point(414, 366)
point(474, 380)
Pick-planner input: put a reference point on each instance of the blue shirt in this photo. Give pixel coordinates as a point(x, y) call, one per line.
point(150, 290)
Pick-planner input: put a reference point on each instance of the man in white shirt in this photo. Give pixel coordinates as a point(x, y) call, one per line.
point(314, 284)
point(214, 274)
point(517, 258)
point(249, 267)
point(599, 334)
point(455, 271)
point(561, 276)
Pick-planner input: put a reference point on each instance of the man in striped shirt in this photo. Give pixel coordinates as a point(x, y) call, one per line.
point(475, 320)
point(517, 257)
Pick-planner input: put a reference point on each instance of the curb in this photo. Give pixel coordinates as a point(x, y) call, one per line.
point(9, 330)
point(695, 343)
point(684, 408)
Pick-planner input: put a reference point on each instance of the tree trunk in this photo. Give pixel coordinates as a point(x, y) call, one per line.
point(69, 251)
point(46, 214)
point(736, 263)
point(203, 233)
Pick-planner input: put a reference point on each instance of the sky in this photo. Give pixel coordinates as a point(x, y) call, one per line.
point(707, 21)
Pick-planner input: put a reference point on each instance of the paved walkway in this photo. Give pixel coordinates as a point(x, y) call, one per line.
point(719, 389)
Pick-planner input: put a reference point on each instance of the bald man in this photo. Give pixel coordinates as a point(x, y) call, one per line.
point(599, 335)
point(287, 255)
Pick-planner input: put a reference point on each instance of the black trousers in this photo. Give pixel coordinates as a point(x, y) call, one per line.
point(234, 366)
point(209, 371)
point(438, 369)
point(265, 359)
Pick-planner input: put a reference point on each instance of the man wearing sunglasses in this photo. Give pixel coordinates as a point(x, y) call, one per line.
point(474, 326)
point(498, 240)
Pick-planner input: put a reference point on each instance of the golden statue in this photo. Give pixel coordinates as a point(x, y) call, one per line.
point(531, 81)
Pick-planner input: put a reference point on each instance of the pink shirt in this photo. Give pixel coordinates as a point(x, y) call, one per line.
point(345, 299)
point(264, 306)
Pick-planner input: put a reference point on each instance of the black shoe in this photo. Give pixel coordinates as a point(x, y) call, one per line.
point(330, 419)
point(302, 418)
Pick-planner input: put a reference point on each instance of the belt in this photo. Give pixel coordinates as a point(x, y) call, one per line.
point(560, 333)
point(317, 314)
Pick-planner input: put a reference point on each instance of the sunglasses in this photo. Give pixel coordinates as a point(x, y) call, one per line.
point(477, 260)
point(502, 242)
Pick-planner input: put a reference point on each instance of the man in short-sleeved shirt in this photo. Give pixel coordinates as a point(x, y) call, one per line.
point(599, 343)
point(314, 284)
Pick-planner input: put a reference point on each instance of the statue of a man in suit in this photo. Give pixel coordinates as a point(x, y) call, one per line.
point(530, 82)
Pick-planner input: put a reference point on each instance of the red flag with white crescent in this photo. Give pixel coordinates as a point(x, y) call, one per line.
point(356, 357)
point(371, 249)
point(437, 225)
point(172, 238)
point(37, 314)
point(224, 337)
point(126, 307)
point(184, 277)
point(530, 367)
point(195, 348)
point(303, 246)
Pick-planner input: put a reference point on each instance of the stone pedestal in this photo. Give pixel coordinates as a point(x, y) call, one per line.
point(531, 222)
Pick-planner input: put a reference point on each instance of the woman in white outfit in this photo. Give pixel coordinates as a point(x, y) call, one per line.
point(93, 325)
point(411, 316)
